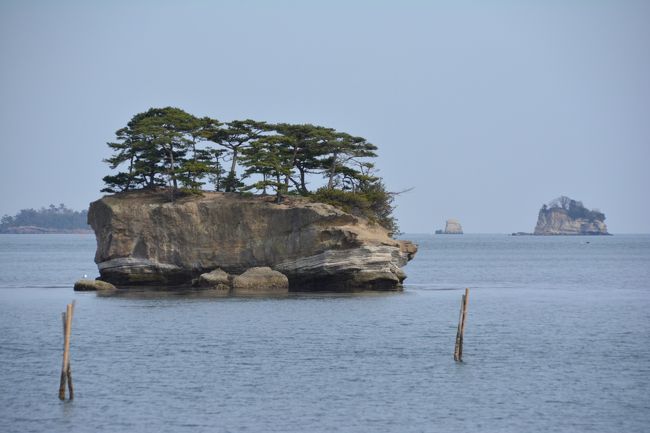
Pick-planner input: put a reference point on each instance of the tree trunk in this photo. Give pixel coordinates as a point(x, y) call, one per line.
point(233, 168)
point(293, 164)
point(330, 183)
point(303, 185)
point(295, 184)
point(193, 177)
point(278, 189)
point(128, 183)
point(171, 172)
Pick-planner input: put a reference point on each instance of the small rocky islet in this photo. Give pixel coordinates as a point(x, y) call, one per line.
point(565, 216)
point(241, 244)
point(326, 226)
point(452, 227)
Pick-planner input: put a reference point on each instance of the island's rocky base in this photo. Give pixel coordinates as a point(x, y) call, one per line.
point(144, 240)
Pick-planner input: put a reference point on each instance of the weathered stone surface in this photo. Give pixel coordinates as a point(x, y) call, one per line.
point(260, 280)
point(92, 285)
point(453, 227)
point(574, 220)
point(217, 279)
point(142, 239)
point(218, 282)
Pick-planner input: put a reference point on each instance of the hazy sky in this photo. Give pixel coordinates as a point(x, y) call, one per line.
point(487, 109)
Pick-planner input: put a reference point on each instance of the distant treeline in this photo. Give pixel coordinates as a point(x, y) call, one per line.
point(52, 217)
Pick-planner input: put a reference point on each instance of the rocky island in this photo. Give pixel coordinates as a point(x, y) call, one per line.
point(144, 240)
point(452, 227)
point(53, 219)
point(565, 216)
point(263, 229)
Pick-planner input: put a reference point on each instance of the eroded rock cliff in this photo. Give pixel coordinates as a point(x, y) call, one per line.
point(565, 216)
point(142, 239)
point(452, 227)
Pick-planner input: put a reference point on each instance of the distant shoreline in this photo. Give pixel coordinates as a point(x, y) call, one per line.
point(34, 230)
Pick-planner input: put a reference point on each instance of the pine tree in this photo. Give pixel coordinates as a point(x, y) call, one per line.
point(236, 136)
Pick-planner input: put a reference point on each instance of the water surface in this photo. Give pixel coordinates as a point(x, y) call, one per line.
point(557, 339)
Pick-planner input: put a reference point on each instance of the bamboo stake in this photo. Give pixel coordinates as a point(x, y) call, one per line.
point(68, 370)
point(66, 373)
point(462, 328)
point(460, 320)
point(63, 373)
point(458, 350)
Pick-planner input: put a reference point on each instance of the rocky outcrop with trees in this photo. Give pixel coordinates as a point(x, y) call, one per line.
point(198, 200)
point(171, 149)
point(565, 216)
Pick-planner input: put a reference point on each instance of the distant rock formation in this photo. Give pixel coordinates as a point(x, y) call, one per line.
point(213, 239)
point(452, 227)
point(565, 216)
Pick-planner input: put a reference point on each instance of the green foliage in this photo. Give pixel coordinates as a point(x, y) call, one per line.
point(273, 160)
point(373, 203)
point(574, 209)
point(168, 148)
point(236, 136)
point(347, 201)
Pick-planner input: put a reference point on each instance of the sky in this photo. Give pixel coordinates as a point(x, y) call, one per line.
point(485, 109)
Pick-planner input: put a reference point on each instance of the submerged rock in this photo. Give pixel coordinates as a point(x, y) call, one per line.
point(564, 216)
point(92, 285)
point(145, 240)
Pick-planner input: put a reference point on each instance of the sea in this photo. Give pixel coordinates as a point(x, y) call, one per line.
point(557, 339)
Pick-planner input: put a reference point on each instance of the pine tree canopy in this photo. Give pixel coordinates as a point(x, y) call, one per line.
point(168, 148)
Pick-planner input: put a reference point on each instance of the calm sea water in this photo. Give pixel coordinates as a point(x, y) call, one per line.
point(557, 340)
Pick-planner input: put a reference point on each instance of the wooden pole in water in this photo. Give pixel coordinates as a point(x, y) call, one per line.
point(460, 320)
point(66, 373)
point(458, 350)
point(68, 370)
point(63, 375)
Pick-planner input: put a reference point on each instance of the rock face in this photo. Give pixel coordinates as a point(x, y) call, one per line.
point(255, 281)
point(262, 280)
point(452, 227)
point(565, 216)
point(217, 279)
point(142, 239)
